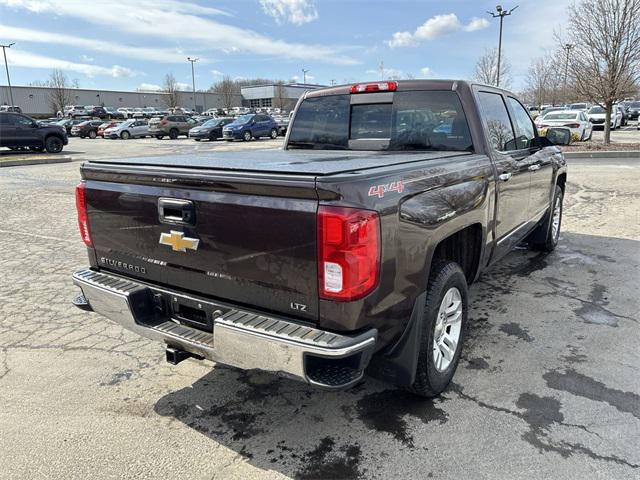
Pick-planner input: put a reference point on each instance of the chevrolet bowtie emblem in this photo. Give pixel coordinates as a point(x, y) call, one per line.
point(178, 242)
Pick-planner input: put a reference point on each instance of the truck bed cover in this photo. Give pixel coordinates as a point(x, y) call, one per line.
point(299, 161)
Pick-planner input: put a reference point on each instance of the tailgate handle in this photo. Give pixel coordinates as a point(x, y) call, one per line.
point(176, 211)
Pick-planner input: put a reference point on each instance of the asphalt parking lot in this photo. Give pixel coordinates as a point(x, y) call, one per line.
point(548, 386)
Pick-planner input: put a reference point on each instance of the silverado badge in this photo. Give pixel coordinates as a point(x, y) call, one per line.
point(178, 242)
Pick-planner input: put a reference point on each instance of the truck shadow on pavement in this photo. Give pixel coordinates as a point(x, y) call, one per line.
point(278, 424)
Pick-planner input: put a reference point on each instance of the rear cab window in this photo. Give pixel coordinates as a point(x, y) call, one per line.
point(409, 120)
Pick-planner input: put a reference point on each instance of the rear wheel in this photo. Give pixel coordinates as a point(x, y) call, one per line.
point(274, 133)
point(212, 137)
point(247, 136)
point(443, 329)
point(197, 139)
point(53, 144)
point(92, 134)
point(125, 135)
point(173, 133)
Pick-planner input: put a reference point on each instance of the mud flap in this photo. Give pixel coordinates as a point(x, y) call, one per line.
point(397, 365)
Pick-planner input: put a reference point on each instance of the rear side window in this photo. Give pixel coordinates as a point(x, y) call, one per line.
point(496, 119)
point(525, 133)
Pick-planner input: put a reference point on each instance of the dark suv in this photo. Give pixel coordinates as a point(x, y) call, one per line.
point(19, 131)
point(253, 125)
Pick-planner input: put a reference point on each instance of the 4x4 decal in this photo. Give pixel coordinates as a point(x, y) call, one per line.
point(380, 190)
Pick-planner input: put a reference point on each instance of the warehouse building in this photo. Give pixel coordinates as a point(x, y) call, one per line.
point(37, 100)
point(282, 96)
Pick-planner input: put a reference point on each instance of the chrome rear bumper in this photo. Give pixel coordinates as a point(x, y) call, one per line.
point(240, 338)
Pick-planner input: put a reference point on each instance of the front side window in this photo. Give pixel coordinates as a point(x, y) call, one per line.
point(497, 122)
point(525, 133)
point(21, 121)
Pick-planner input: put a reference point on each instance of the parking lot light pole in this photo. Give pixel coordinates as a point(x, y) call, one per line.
point(304, 76)
point(567, 47)
point(193, 80)
point(6, 66)
point(501, 14)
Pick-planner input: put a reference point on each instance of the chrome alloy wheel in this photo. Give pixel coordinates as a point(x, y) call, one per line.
point(555, 220)
point(448, 325)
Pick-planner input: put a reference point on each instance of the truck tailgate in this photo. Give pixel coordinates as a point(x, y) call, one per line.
point(251, 243)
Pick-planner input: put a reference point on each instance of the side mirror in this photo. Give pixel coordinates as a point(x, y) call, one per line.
point(558, 135)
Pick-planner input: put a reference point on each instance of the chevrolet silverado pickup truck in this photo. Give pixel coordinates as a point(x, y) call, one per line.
point(348, 252)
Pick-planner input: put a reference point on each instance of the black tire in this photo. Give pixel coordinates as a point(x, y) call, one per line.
point(53, 144)
point(431, 381)
point(93, 134)
point(159, 137)
point(173, 133)
point(197, 139)
point(125, 135)
point(274, 133)
point(545, 238)
point(246, 136)
point(212, 137)
point(590, 135)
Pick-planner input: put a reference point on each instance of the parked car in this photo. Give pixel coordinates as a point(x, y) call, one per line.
point(18, 131)
point(10, 108)
point(597, 116)
point(128, 129)
point(575, 120)
point(209, 130)
point(633, 110)
point(72, 111)
point(579, 106)
point(96, 111)
point(85, 129)
point(249, 126)
point(105, 125)
point(126, 111)
point(69, 123)
point(283, 123)
point(115, 114)
point(171, 126)
point(548, 110)
point(327, 258)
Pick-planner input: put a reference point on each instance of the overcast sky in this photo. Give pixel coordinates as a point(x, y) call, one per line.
point(133, 44)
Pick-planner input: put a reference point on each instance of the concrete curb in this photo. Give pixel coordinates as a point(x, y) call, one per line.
point(603, 154)
point(34, 161)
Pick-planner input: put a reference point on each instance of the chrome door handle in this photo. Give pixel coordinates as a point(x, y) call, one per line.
point(505, 176)
point(533, 168)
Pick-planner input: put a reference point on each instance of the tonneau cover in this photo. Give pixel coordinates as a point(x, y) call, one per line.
point(298, 161)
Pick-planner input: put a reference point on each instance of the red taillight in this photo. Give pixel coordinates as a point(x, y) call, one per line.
point(163, 122)
point(348, 252)
point(81, 206)
point(374, 87)
point(572, 125)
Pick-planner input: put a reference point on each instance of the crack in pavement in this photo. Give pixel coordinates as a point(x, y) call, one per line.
point(540, 414)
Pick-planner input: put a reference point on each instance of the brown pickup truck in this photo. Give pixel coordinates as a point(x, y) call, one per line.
point(348, 252)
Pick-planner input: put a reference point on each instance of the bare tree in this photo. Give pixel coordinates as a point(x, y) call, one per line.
point(227, 89)
point(59, 94)
point(486, 70)
point(539, 80)
point(605, 62)
point(170, 88)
